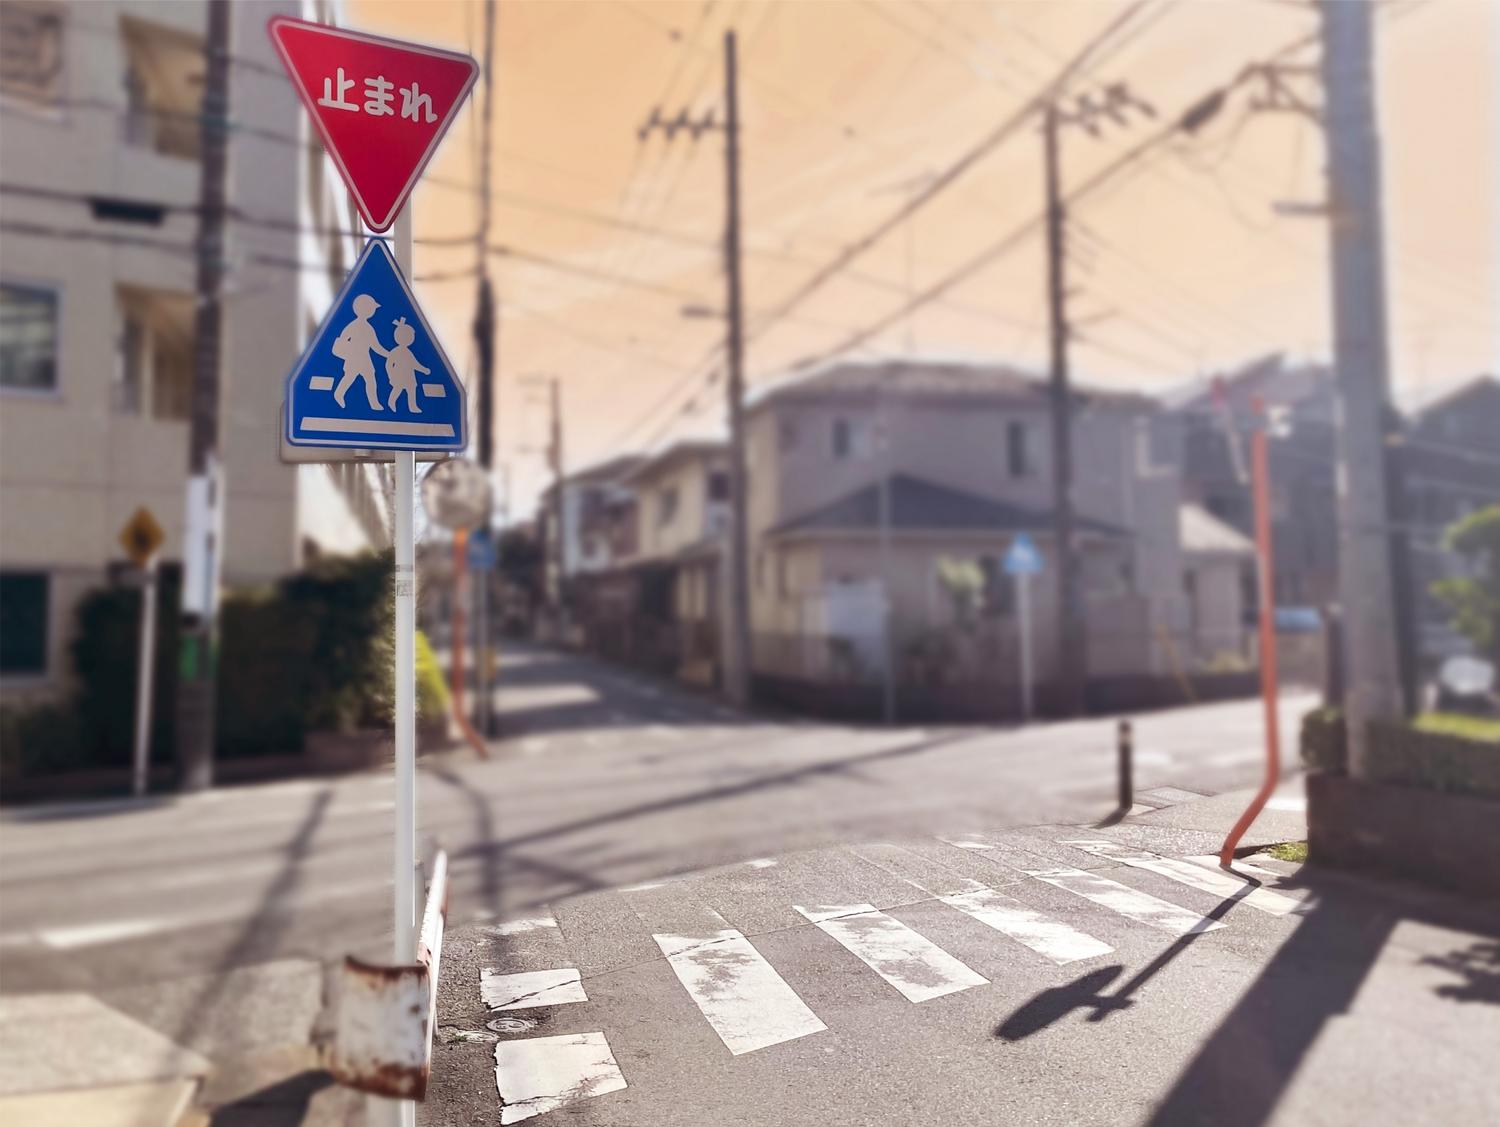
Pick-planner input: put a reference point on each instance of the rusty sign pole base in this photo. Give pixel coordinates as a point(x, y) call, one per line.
point(383, 1043)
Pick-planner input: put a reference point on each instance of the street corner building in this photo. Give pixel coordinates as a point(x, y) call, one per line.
point(101, 144)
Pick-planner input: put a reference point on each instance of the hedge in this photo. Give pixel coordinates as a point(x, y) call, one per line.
point(313, 652)
point(1403, 754)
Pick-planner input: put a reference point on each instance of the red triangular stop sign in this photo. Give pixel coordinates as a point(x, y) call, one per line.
point(381, 105)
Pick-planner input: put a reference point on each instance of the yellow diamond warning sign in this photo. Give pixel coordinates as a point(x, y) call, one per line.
point(141, 536)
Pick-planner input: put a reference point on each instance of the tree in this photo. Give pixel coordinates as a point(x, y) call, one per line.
point(1475, 598)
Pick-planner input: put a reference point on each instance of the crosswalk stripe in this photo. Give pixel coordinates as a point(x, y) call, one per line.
point(542, 1074)
point(913, 964)
point(531, 989)
point(748, 1004)
point(1216, 880)
point(1052, 939)
point(1139, 906)
point(522, 926)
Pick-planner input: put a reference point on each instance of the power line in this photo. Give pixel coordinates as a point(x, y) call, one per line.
point(1003, 246)
point(993, 139)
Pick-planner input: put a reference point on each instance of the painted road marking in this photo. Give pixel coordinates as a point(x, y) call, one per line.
point(528, 990)
point(1216, 881)
point(662, 732)
point(533, 745)
point(1260, 871)
point(748, 1004)
point(913, 964)
point(1139, 906)
point(542, 1074)
point(1052, 939)
point(522, 926)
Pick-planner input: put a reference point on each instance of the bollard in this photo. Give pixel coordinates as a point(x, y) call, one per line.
point(1127, 787)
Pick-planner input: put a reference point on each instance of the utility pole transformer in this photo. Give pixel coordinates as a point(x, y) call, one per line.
point(737, 647)
point(203, 528)
point(1372, 666)
point(1070, 641)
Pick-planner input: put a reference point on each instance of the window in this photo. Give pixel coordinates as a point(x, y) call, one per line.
point(23, 622)
point(28, 338)
point(786, 434)
point(841, 439)
point(718, 485)
point(852, 439)
point(31, 51)
point(1017, 449)
point(666, 506)
point(164, 77)
point(154, 365)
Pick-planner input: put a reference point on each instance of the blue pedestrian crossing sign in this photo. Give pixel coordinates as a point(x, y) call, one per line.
point(1022, 558)
point(481, 551)
point(374, 375)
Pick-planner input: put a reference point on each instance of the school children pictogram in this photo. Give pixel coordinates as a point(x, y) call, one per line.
point(374, 375)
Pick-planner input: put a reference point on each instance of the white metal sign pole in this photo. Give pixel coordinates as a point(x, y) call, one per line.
point(143, 677)
point(1023, 601)
point(406, 684)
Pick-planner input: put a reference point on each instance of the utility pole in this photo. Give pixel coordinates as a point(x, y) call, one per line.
point(736, 638)
point(555, 457)
point(737, 651)
point(1070, 626)
point(203, 528)
point(1089, 110)
point(485, 324)
point(1367, 594)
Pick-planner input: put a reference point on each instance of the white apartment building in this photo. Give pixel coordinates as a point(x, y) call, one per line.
point(99, 144)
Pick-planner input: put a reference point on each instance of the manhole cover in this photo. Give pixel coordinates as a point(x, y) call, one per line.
point(512, 1024)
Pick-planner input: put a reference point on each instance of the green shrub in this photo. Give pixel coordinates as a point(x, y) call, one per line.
point(1323, 741)
point(265, 648)
point(106, 659)
point(433, 700)
point(345, 602)
point(41, 739)
point(313, 652)
point(1483, 728)
point(1406, 756)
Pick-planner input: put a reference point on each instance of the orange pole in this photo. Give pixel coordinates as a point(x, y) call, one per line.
point(1261, 486)
point(460, 563)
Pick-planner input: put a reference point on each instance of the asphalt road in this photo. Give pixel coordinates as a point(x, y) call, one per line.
point(208, 917)
point(599, 777)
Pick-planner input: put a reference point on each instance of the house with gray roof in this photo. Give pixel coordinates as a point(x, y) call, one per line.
point(883, 497)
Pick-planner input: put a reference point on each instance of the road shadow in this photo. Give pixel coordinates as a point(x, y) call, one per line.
point(1054, 1004)
point(283, 1104)
point(848, 767)
point(1478, 965)
point(1241, 1072)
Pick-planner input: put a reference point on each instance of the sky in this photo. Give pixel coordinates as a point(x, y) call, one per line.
point(1178, 265)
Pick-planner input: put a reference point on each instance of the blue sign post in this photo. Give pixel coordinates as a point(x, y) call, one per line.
point(1022, 561)
point(481, 551)
point(1022, 558)
point(375, 376)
